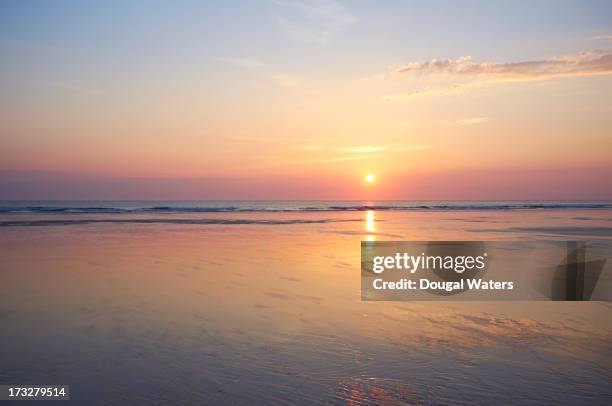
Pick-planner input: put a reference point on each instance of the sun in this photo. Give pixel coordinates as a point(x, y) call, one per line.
point(370, 178)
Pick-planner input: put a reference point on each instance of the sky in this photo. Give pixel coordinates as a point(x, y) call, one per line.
point(285, 99)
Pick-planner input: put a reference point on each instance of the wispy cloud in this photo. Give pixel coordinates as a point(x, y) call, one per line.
point(464, 121)
point(469, 74)
point(335, 159)
point(366, 149)
point(308, 147)
point(256, 66)
point(76, 88)
point(286, 80)
point(363, 149)
point(410, 148)
point(472, 121)
point(243, 63)
point(601, 37)
point(254, 138)
point(581, 64)
point(429, 91)
point(313, 21)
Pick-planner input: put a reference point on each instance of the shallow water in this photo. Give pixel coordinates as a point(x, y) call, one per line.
point(264, 307)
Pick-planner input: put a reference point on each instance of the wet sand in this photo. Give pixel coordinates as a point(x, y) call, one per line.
point(265, 308)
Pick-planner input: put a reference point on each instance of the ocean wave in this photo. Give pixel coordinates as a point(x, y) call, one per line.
point(322, 208)
point(68, 222)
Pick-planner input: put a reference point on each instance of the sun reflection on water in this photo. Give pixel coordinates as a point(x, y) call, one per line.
point(369, 225)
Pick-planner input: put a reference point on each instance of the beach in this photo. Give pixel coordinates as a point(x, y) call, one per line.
point(260, 303)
